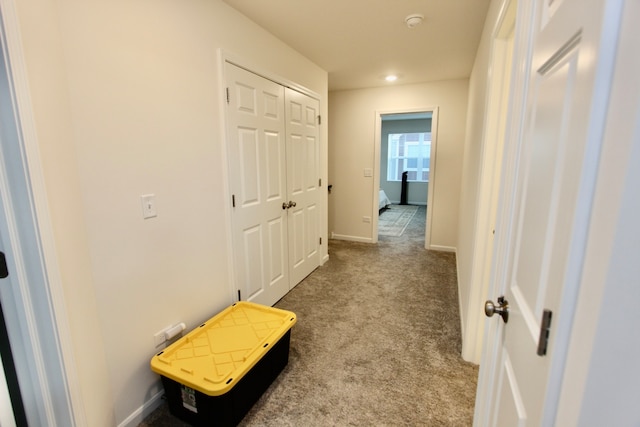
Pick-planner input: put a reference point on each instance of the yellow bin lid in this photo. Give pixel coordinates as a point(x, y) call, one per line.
point(216, 355)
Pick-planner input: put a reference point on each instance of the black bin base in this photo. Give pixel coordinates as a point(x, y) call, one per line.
point(199, 409)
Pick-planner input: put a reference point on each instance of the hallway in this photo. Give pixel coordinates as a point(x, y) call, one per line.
point(377, 342)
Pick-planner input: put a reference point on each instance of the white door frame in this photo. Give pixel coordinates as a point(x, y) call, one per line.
point(495, 133)
point(507, 209)
point(507, 206)
point(36, 318)
point(432, 168)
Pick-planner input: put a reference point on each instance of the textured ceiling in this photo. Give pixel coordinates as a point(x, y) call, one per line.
point(358, 42)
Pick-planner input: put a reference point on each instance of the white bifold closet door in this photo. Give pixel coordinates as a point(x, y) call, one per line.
point(274, 168)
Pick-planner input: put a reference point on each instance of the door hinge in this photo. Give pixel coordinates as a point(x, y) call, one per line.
point(233, 200)
point(4, 270)
point(228, 96)
point(545, 327)
point(320, 182)
point(239, 295)
point(319, 119)
point(321, 240)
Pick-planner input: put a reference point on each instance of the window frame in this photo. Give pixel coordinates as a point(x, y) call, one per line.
point(400, 141)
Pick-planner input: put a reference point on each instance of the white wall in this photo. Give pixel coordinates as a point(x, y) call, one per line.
point(127, 101)
point(352, 118)
point(475, 129)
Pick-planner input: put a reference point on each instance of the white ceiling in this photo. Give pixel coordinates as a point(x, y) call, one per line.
point(358, 42)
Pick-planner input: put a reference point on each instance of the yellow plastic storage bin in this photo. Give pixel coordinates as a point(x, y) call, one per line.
point(215, 373)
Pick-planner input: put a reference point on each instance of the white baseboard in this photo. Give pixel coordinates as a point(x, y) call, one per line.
point(144, 411)
point(462, 323)
point(324, 259)
point(443, 248)
point(351, 238)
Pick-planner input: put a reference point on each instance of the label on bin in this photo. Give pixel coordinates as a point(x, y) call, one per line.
point(189, 398)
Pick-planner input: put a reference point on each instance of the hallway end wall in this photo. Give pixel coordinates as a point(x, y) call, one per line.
point(352, 144)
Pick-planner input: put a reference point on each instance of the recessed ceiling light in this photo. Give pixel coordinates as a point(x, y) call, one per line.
point(413, 20)
point(391, 78)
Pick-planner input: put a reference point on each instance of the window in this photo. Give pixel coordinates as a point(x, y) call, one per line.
point(411, 153)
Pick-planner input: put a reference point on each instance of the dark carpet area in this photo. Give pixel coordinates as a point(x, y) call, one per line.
point(377, 342)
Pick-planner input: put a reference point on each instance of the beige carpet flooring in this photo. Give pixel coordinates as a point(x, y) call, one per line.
point(377, 342)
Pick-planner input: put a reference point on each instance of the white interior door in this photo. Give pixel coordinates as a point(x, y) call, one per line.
point(274, 158)
point(549, 213)
point(303, 183)
point(257, 159)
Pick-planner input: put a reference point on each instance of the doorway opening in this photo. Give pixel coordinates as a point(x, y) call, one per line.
point(405, 154)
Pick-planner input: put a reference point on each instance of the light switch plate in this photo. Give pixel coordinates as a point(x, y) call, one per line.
point(148, 206)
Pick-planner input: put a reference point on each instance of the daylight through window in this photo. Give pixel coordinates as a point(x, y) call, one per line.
point(411, 153)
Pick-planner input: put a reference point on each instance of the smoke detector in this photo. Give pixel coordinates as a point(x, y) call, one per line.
point(414, 20)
